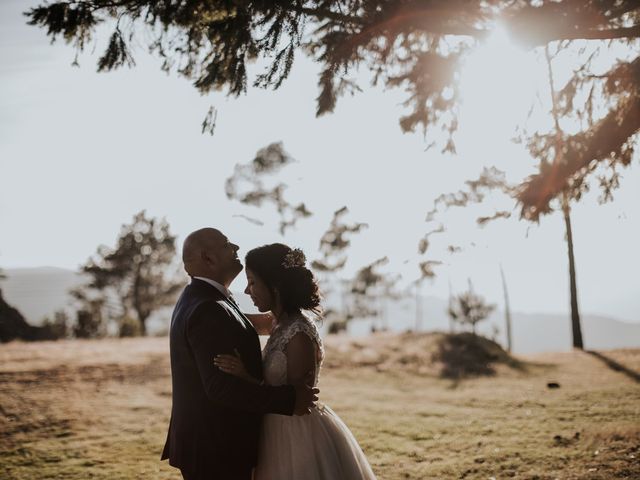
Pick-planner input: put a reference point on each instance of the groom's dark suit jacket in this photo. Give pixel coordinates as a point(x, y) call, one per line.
point(215, 417)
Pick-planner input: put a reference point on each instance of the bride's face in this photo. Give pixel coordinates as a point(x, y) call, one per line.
point(259, 292)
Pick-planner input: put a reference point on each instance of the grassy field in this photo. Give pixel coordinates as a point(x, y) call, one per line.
point(99, 410)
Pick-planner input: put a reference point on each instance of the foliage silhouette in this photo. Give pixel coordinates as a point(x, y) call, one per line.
point(368, 288)
point(247, 185)
point(469, 308)
point(412, 45)
point(13, 326)
point(465, 355)
point(136, 272)
point(416, 46)
point(333, 246)
point(59, 325)
point(335, 241)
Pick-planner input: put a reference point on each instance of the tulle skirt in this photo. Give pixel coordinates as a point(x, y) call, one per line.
point(318, 446)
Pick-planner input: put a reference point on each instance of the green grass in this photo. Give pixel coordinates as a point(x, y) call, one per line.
point(99, 410)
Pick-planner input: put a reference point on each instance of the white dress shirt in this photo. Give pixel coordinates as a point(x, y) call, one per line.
point(223, 290)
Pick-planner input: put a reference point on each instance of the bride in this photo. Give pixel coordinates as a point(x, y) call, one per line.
point(318, 446)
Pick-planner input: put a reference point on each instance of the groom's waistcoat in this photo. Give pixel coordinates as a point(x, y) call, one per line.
point(215, 417)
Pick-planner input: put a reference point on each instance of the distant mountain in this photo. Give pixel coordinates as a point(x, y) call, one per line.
point(38, 292)
point(552, 332)
point(531, 332)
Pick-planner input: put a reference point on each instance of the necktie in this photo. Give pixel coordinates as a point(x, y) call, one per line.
point(234, 303)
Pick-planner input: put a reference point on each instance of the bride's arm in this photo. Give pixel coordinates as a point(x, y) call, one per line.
point(262, 322)
point(301, 360)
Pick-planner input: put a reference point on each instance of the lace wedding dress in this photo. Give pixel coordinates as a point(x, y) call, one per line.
point(318, 446)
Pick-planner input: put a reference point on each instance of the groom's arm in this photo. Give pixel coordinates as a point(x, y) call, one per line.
point(208, 335)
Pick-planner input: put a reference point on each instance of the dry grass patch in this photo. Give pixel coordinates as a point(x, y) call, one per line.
point(99, 409)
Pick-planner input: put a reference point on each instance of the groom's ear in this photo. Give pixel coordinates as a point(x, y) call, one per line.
point(207, 258)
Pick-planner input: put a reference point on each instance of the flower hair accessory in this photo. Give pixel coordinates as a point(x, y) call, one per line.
point(295, 258)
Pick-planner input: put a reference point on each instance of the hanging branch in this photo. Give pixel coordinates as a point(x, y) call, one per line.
point(247, 186)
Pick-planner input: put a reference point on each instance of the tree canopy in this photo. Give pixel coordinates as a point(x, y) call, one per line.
point(417, 46)
point(136, 271)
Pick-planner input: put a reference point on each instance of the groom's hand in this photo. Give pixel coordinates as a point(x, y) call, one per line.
point(306, 397)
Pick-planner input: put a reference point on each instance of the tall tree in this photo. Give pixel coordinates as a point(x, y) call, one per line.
point(567, 194)
point(138, 269)
point(492, 179)
point(415, 45)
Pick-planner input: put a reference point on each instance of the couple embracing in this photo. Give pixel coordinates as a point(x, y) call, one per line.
point(239, 413)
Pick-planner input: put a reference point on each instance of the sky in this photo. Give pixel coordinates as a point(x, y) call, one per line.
point(82, 152)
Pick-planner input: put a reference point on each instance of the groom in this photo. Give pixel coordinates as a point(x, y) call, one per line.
point(216, 417)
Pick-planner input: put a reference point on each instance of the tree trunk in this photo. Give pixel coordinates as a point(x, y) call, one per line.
point(136, 300)
point(575, 313)
point(451, 322)
point(418, 307)
point(143, 327)
point(566, 211)
point(507, 311)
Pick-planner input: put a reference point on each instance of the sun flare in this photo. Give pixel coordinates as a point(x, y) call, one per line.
point(498, 84)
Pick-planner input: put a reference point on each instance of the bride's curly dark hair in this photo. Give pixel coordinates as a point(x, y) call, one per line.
point(283, 269)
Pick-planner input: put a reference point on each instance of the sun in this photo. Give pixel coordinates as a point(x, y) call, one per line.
point(498, 84)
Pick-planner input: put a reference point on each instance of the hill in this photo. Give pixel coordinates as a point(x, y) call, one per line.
point(38, 292)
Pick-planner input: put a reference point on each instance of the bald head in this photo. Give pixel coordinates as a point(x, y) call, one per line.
point(208, 253)
point(197, 242)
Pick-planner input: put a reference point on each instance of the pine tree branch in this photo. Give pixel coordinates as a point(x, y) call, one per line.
point(324, 14)
point(595, 145)
point(604, 34)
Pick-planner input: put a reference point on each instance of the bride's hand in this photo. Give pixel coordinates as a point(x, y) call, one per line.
point(231, 364)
